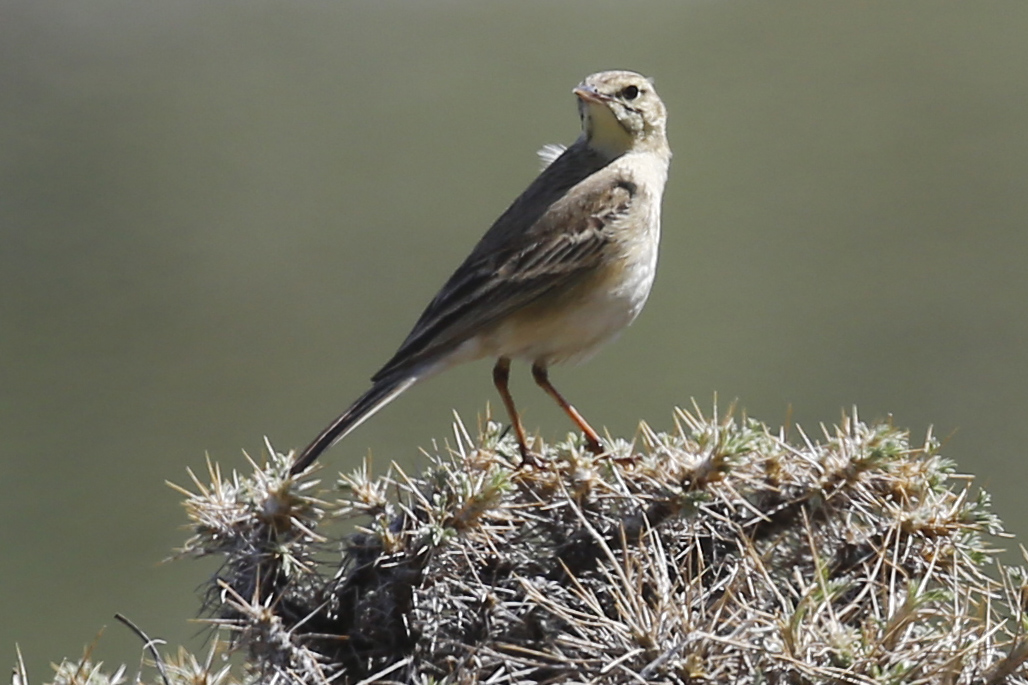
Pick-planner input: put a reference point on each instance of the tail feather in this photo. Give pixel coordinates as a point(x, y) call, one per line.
point(381, 393)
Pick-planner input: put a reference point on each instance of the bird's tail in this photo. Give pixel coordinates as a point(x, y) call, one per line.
point(381, 393)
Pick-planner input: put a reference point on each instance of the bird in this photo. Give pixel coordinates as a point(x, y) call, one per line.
point(563, 270)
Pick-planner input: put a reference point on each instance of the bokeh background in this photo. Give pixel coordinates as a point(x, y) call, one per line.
point(218, 219)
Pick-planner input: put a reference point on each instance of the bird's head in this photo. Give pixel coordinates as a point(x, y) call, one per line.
point(621, 112)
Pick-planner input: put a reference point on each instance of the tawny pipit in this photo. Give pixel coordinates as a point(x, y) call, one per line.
point(563, 270)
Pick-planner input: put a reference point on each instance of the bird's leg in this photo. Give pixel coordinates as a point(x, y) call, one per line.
point(542, 378)
point(501, 376)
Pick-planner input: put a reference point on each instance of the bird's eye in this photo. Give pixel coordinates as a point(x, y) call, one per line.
point(630, 92)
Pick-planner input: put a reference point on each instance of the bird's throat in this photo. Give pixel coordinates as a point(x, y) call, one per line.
point(604, 132)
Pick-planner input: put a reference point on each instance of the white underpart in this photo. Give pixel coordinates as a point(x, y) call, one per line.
point(606, 134)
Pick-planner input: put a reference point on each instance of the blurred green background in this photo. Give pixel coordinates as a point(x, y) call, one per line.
point(218, 219)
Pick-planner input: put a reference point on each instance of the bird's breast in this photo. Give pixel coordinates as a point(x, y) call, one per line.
point(572, 320)
point(570, 324)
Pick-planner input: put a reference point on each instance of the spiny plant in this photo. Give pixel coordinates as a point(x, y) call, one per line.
point(719, 552)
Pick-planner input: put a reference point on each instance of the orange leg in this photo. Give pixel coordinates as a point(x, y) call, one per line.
point(542, 378)
point(501, 376)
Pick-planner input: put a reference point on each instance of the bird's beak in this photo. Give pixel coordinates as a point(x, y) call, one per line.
point(589, 94)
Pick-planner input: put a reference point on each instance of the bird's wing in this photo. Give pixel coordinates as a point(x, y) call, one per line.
point(564, 245)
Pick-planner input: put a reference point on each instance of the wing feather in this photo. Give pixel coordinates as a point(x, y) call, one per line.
point(565, 244)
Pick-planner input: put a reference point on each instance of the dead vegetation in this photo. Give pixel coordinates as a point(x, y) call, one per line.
point(718, 553)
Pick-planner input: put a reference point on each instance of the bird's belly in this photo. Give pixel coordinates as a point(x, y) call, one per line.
point(570, 325)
